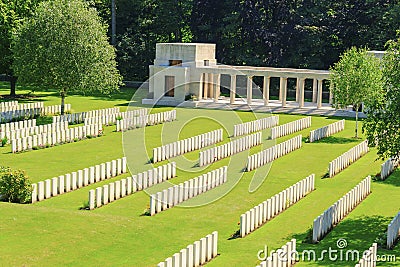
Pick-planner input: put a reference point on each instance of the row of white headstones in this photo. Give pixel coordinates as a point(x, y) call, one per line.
point(339, 210)
point(58, 133)
point(347, 158)
point(265, 211)
point(75, 180)
point(113, 191)
point(60, 136)
point(290, 127)
point(214, 154)
point(4, 106)
point(306, 178)
point(33, 130)
point(14, 105)
point(270, 154)
point(326, 131)
point(181, 147)
point(177, 194)
point(146, 120)
point(196, 254)
point(79, 117)
point(35, 109)
point(111, 119)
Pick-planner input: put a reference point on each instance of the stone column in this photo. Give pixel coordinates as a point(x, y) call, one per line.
point(249, 89)
point(319, 94)
point(211, 85)
point(205, 89)
point(217, 87)
point(233, 89)
point(314, 91)
point(331, 94)
point(297, 89)
point(283, 90)
point(266, 84)
point(301, 92)
point(201, 87)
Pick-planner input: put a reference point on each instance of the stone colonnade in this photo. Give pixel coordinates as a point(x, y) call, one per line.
point(210, 83)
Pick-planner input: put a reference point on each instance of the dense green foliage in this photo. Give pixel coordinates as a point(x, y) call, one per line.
point(12, 14)
point(67, 48)
point(14, 186)
point(356, 79)
point(383, 122)
point(290, 33)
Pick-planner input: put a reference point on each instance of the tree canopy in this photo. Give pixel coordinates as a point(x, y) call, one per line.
point(382, 125)
point(64, 46)
point(289, 33)
point(356, 79)
point(12, 14)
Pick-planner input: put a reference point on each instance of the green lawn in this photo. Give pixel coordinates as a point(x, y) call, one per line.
point(55, 232)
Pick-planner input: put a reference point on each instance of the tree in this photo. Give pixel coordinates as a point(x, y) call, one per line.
point(64, 46)
point(355, 79)
point(142, 24)
point(12, 13)
point(382, 125)
point(14, 186)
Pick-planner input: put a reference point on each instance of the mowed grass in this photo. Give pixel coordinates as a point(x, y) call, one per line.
point(55, 232)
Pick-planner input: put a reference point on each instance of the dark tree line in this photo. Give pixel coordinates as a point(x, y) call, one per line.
point(280, 33)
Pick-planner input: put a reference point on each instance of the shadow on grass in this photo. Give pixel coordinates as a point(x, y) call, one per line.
point(359, 234)
point(393, 179)
point(235, 235)
point(337, 140)
point(124, 93)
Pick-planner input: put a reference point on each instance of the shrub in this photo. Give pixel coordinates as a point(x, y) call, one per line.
point(4, 141)
point(14, 186)
point(85, 205)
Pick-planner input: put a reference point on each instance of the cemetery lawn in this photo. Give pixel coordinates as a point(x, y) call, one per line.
point(56, 232)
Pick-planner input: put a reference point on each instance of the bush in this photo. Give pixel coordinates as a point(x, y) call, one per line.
point(4, 141)
point(14, 186)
